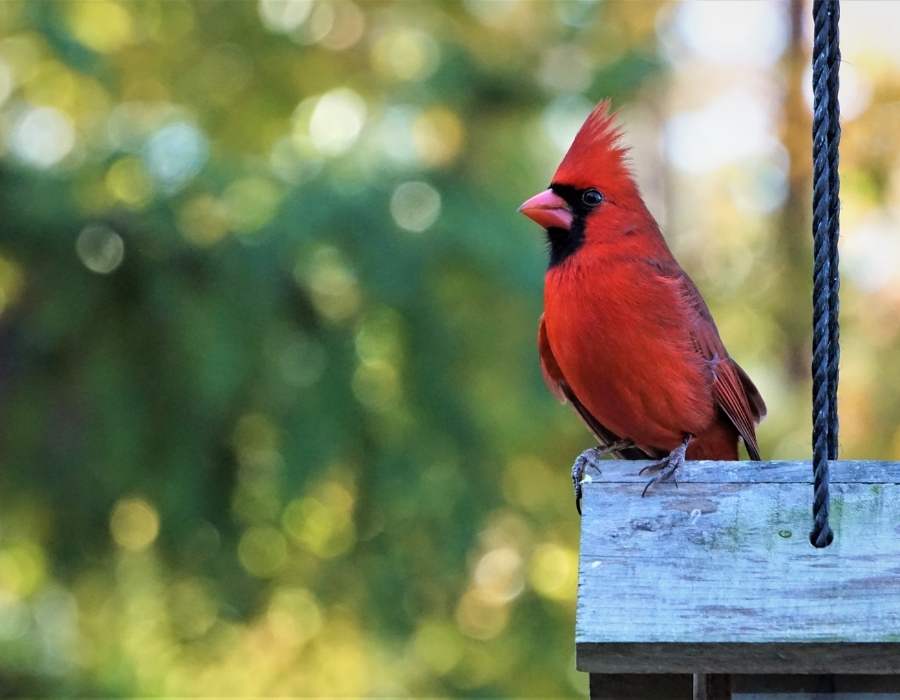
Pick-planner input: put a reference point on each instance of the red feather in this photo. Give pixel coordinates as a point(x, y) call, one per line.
point(557, 384)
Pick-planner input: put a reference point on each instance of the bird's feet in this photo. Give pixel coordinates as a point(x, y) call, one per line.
point(665, 468)
point(589, 458)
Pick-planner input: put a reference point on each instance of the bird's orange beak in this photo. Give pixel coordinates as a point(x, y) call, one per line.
point(549, 210)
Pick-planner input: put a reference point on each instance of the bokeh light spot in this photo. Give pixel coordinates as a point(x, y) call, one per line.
point(128, 182)
point(102, 25)
point(732, 127)
point(317, 26)
point(347, 28)
point(478, 618)
point(250, 203)
point(323, 526)
point(175, 154)
point(55, 85)
point(553, 572)
point(438, 136)
point(42, 136)
point(100, 249)
point(376, 384)
point(262, 551)
point(331, 282)
point(394, 134)
point(22, 570)
point(404, 53)
point(415, 206)
point(284, 16)
point(565, 69)
point(438, 644)
point(336, 121)
point(870, 250)
point(742, 32)
point(294, 616)
point(378, 337)
point(495, 13)
point(498, 575)
point(203, 220)
point(134, 524)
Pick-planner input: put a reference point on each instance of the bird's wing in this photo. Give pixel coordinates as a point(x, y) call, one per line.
point(734, 392)
point(556, 382)
point(553, 376)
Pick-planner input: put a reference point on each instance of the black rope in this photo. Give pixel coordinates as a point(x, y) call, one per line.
point(834, 187)
point(826, 280)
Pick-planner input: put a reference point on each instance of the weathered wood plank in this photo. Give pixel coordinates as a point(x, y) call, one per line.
point(777, 472)
point(753, 658)
point(718, 576)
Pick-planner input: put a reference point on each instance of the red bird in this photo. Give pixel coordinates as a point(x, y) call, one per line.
point(625, 336)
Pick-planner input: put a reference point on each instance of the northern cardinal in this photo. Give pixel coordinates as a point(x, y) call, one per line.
point(625, 336)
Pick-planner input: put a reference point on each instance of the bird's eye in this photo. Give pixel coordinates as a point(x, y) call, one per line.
point(591, 197)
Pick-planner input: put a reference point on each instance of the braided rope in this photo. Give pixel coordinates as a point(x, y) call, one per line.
point(826, 203)
point(834, 187)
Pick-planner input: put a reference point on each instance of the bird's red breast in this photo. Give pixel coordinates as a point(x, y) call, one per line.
point(625, 335)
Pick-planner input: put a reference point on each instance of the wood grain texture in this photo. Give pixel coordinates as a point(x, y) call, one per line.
point(776, 472)
point(717, 574)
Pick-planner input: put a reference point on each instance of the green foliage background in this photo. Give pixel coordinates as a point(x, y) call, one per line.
point(258, 438)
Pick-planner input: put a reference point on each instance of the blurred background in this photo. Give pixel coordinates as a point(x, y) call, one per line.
point(272, 419)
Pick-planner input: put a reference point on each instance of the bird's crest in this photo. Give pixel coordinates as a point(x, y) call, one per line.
point(596, 152)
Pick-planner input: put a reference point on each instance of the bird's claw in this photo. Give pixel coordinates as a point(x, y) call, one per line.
point(589, 458)
point(665, 468)
point(578, 475)
point(654, 467)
